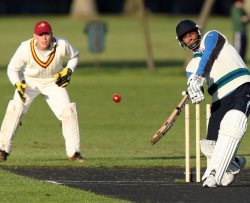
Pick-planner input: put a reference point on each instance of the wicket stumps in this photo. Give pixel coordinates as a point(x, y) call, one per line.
point(197, 140)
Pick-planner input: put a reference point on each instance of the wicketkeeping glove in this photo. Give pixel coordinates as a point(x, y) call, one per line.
point(63, 77)
point(195, 89)
point(20, 86)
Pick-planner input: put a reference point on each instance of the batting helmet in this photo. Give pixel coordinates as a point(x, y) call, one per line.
point(185, 27)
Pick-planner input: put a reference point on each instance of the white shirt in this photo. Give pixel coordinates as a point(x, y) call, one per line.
point(220, 64)
point(29, 62)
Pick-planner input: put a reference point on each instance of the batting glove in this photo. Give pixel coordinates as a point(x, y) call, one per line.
point(63, 77)
point(195, 89)
point(20, 86)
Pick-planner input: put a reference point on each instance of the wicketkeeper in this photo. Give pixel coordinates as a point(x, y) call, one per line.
point(217, 62)
point(37, 68)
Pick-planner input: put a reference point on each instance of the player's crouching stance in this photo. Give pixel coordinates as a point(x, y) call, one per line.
point(36, 68)
point(218, 63)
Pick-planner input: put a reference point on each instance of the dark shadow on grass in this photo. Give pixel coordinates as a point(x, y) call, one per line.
point(162, 158)
point(142, 158)
point(244, 154)
point(131, 64)
point(151, 158)
point(174, 157)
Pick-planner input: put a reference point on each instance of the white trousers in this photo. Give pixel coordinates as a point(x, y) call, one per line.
point(56, 97)
point(58, 100)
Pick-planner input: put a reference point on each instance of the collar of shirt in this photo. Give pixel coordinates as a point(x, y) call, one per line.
point(47, 52)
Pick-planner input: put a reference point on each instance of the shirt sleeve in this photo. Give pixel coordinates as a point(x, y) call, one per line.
point(193, 64)
point(73, 56)
point(213, 43)
point(16, 64)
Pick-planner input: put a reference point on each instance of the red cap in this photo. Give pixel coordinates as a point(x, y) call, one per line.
point(42, 27)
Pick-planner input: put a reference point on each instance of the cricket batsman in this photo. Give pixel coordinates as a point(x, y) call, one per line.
point(37, 68)
point(217, 62)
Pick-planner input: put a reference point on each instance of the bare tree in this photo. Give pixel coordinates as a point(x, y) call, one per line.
point(83, 8)
point(205, 12)
point(131, 7)
point(147, 37)
point(247, 6)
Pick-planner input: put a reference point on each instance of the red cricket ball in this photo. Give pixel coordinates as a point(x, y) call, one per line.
point(117, 98)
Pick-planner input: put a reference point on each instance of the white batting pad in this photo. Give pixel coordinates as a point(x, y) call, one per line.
point(70, 129)
point(207, 148)
point(10, 123)
point(232, 128)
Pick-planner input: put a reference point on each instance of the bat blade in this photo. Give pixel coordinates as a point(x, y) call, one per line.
point(170, 121)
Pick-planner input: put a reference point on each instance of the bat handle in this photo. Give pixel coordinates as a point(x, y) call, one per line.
point(183, 93)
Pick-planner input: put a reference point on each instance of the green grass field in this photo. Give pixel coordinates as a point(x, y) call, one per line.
point(112, 134)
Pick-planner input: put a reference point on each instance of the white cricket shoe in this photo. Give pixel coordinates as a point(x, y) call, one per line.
point(210, 181)
point(227, 179)
point(233, 169)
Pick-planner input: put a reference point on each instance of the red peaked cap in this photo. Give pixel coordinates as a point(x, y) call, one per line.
point(42, 27)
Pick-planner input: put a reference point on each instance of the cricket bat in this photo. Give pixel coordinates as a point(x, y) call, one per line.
point(171, 119)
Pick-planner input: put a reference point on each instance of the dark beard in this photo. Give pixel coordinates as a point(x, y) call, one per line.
point(194, 45)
